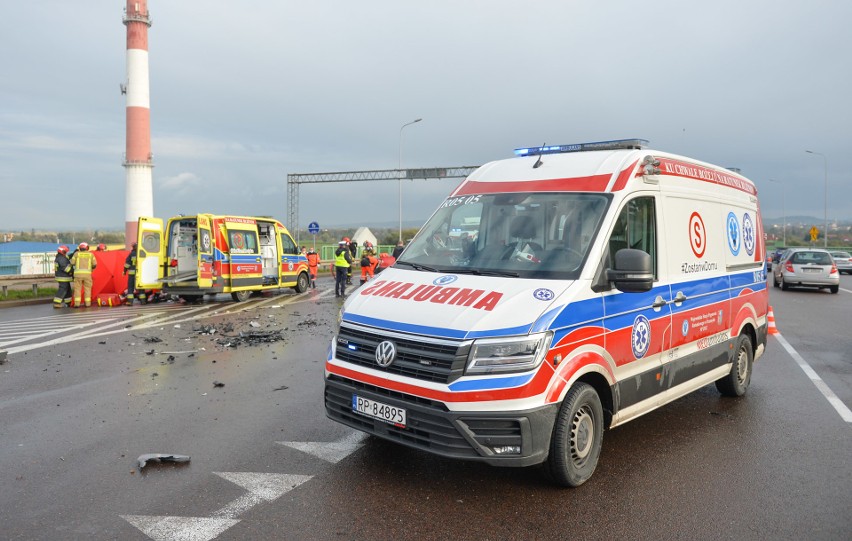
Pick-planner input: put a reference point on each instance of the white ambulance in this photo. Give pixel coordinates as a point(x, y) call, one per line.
point(595, 283)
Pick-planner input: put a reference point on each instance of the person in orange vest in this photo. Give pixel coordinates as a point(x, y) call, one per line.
point(84, 263)
point(313, 266)
point(64, 273)
point(368, 263)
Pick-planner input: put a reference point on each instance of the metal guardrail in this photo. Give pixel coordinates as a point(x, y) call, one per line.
point(33, 280)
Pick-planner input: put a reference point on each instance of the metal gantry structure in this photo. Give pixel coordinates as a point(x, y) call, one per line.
point(294, 180)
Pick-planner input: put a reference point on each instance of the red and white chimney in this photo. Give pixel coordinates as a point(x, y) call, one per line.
point(138, 160)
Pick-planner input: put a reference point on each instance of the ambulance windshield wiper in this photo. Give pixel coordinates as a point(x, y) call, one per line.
point(479, 272)
point(418, 266)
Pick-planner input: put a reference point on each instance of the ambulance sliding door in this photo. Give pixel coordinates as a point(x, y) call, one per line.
point(149, 262)
point(246, 267)
point(696, 239)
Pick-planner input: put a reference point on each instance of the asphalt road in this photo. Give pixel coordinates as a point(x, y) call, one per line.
point(85, 393)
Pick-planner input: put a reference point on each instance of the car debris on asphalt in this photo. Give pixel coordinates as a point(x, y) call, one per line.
point(158, 458)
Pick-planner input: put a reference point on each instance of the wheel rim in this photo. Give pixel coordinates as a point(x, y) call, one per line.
point(582, 435)
point(742, 366)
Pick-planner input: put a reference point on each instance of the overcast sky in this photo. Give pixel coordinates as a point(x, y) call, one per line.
point(245, 93)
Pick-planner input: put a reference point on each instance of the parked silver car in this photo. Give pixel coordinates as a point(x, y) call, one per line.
point(843, 260)
point(807, 267)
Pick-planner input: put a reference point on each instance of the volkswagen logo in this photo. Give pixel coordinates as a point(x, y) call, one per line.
point(385, 353)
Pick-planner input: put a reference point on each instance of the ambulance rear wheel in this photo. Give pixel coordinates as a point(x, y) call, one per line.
point(739, 378)
point(302, 283)
point(241, 296)
point(577, 437)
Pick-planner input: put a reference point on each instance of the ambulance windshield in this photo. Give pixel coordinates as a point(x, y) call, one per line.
point(529, 235)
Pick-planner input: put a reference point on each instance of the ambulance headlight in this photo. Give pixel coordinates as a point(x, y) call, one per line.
point(518, 354)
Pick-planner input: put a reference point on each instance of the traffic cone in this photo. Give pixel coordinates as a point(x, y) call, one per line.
point(770, 318)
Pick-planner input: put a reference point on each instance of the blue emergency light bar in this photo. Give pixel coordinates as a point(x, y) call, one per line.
point(618, 144)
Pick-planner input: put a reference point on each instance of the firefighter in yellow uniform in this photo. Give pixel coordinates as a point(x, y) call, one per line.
point(84, 263)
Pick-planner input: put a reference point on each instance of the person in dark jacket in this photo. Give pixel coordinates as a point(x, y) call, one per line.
point(342, 263)
point(398, 250)
point(130, 271)
point(64, 273)
point(353, 251)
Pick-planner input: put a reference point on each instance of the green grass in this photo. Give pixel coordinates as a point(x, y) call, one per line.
point(23, 294)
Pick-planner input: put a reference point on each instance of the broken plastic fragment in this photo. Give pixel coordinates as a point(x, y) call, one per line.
point(160, 457)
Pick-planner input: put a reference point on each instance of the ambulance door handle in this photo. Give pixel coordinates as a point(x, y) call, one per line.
point(659, 302)
point(679, 298)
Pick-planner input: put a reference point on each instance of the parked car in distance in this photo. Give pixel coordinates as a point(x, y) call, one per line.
point(808, 268)
point(843, 260)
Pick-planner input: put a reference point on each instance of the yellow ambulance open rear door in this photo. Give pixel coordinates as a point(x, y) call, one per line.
point(205, 252)
point(149, 262)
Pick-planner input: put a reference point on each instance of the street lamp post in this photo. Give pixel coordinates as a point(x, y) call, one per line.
point(399, 167)
point(825, 164)
point(783, 209)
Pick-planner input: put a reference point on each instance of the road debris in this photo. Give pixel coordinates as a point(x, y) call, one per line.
point(158, 458)
point(218, 384)
point(210, 329)
point(282, 388)
point(251, 338)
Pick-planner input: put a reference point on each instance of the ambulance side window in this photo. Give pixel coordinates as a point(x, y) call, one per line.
point(635, 227)
point(243, 242)
point(287, 245)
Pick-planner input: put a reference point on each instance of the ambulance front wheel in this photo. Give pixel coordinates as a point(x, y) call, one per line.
point(302, 283)
point(739, 378)
point(577, 437)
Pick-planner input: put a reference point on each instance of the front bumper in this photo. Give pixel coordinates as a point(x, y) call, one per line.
point(433, 428)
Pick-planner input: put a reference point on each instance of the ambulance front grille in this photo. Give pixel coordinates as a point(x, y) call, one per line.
point(440, 361)
point(429, 426)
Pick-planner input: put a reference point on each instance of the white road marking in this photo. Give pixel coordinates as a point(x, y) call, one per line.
point(91, 333)
point(22, 336)
point(832, 398)
point(27, 330)
point(180, 528)
point(261, 487)
point(334, 451)
point(146, 319)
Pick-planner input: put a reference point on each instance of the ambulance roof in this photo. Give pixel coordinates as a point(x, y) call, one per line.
point(604, 166)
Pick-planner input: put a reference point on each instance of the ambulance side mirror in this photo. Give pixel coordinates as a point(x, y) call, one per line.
point(633, 272)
